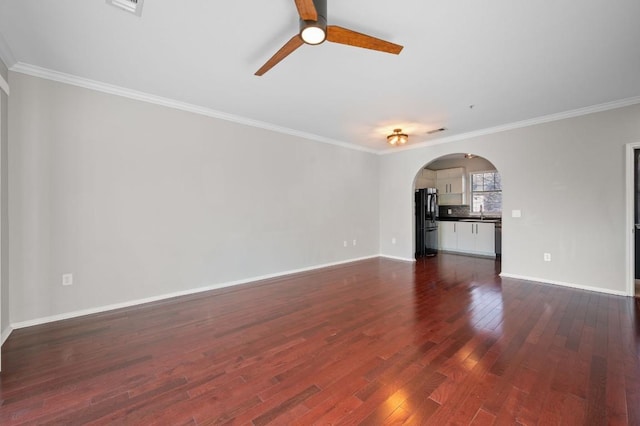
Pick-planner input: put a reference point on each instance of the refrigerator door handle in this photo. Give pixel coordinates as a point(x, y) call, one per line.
point(434, 198)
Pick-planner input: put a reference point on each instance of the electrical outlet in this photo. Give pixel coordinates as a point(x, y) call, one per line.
point(354, 242)
point(547, 257)
point(67, 279)
point(345, 243)
point(393, 240)
point(449, 211)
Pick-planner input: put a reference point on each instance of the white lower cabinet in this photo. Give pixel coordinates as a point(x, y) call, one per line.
point(447, 236)
point(485, 238)
point(467, 237)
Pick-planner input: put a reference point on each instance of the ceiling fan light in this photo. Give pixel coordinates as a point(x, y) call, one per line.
point(313, 35)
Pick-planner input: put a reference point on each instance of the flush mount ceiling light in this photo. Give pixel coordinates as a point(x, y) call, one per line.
point(397, 138)
point(132, 6)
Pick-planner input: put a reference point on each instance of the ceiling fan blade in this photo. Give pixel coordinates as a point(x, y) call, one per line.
point(307, 10)
point(284, 51)
point(341, 35)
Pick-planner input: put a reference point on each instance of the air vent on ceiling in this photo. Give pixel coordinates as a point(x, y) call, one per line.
point(441, 129)
point(132, 6)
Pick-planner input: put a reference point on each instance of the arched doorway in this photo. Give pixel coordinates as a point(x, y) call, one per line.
point(467, 218)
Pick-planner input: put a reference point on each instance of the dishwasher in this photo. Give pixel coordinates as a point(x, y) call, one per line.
point(498, 231)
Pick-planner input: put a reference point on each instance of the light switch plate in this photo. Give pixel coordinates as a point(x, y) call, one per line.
point(67, 279)
point(516, 213)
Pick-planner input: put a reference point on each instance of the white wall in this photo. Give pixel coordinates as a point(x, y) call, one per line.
point(567, 178)
point(470, 164)
point(138, 200)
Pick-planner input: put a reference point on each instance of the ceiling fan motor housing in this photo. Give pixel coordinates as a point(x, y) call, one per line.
point(321, 23)
point(314, 30)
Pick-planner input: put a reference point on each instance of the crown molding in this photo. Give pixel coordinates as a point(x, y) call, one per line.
point(4, 85)
point(6, 56)
point(5, 53)
point(73, 80)
point(520, 124)
point(86, 83)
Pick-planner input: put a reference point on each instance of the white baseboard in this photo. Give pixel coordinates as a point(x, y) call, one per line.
point(471, 254)
point(404, 259)
point(105, 308)
point(5, 335)
point(98, 309)
point(564, 284)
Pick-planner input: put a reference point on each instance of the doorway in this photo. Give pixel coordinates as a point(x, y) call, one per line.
point(636, 221)
point(468, 213)
point(632, 222)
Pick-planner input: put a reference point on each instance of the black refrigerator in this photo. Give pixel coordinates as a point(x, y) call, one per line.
point(426, 225)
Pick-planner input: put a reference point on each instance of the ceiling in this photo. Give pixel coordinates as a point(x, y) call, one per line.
point(466, 65)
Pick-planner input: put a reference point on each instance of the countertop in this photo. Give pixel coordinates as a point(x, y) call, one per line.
point(470, 219)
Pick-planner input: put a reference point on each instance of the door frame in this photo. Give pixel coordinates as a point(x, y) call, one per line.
point(4, 87)
point(630, 219)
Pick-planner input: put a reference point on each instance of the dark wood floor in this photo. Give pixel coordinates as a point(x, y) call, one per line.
point(374, 342)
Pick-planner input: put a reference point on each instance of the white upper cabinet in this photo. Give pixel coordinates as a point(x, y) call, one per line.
point(426, 179)
point(451, 186)
point(457, 184)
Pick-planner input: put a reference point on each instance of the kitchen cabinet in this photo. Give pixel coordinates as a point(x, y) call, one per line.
point(476, 238)
point(447, 236)
point(467, 237)
point(426, 179)
point(450, 186)
point(485, 238)
point(456, 184)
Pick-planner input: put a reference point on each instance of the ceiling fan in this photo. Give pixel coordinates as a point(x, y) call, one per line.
point(314, 30)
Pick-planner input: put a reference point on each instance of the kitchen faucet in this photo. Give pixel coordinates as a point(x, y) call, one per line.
point(481, 213)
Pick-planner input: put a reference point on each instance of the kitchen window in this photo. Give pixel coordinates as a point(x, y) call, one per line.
point(486, 192)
